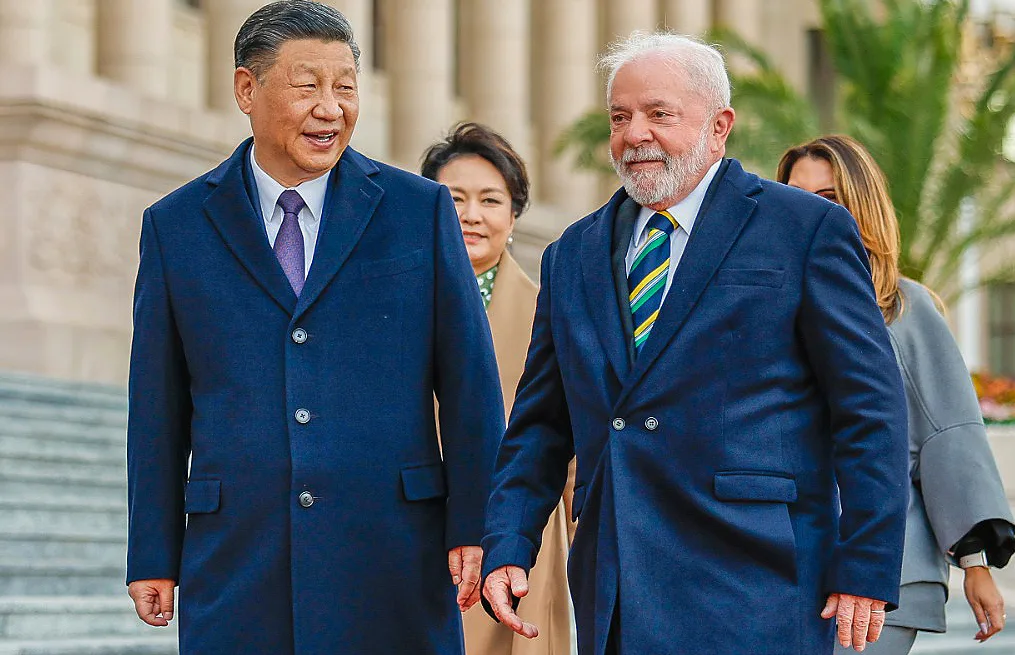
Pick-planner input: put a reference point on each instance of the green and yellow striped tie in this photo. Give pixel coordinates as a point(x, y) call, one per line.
point(647, 278)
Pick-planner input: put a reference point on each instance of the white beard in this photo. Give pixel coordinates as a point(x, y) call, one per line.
point(652, 187)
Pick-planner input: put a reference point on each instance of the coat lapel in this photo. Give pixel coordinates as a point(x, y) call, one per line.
point(717, 228)
point(597, 275)
point(231, 211)
point(351, 201)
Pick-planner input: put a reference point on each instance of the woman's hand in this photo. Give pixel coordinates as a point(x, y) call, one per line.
point(986, 602)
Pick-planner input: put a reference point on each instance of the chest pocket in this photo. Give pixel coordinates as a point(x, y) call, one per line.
point(389, 267)
point(750, 277)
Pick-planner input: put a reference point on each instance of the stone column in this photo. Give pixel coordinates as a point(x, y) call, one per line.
point(223, 19)
point(494, 56)
point(135, 43)
point(418, 49)
point(24, 31)
point(73, 29)
point(688, 16)
point(621, 17)
point(566, 87)
point(361, 16)
point(745, 17)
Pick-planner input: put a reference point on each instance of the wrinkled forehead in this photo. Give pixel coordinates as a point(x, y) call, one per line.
point(652, 79)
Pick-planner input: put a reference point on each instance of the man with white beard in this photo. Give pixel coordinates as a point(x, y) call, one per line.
point(709, 345)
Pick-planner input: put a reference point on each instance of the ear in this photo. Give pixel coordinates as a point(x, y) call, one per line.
point(722, 125)
point(245, 86)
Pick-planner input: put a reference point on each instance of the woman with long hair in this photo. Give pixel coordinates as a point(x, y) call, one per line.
point(958, 512)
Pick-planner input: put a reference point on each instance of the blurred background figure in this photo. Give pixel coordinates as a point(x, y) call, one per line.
point(490, 187)
point(957, 511)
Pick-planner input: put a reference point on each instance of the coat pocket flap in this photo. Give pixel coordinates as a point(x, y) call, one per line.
point(394, 266)
point(424, 481)
point(577, 502)
point(750, 277)
point(763, 487)
point(202, 496)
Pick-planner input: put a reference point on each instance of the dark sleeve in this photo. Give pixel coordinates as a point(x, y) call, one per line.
point(847, 344)
point(532, 463)
point(466, 381)
point(996, 536)
point(158, 426)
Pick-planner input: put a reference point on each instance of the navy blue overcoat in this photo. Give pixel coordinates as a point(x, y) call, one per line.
point(319, 510)
point(709, 468)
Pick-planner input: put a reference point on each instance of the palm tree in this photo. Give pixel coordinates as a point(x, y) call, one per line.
point(900, 91)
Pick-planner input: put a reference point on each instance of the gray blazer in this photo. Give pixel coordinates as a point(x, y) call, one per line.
point(955, 483)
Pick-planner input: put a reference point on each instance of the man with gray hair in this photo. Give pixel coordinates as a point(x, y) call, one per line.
point(709, 345)
point(296, 311)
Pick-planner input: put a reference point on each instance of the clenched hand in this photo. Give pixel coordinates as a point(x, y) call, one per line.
point(153, 600)
point(465, 564)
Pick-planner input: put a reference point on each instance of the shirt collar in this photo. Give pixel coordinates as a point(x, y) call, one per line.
point(268, 191)
point(685, 211)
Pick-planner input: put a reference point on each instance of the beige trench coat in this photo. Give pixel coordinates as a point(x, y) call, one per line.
point(547, 605)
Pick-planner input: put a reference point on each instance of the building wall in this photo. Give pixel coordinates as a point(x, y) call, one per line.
point(105, 105)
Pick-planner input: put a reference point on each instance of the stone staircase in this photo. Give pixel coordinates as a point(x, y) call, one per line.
point(63, 523)
point(961, 628)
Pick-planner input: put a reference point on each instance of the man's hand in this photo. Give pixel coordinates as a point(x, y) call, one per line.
point(465, 563)
point(859, 619)
point(501, 584)
point(986, 601)
point(153, 600)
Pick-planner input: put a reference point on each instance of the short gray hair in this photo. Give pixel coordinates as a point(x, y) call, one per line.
point(703, 63)
point(264, 32)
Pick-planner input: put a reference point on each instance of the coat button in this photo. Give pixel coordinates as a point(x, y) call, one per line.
point(651, 423)
point(618, 424)
point(306, 499)
point(302, 416)
point(299, 335)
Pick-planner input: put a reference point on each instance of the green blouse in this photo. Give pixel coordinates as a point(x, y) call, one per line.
point(486, 281)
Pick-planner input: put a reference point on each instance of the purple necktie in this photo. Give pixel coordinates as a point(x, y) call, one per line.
point(289, 240)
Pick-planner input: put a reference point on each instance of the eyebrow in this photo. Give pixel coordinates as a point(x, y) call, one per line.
point(481, 191)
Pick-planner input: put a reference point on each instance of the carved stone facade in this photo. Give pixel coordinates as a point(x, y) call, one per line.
point(105, 105)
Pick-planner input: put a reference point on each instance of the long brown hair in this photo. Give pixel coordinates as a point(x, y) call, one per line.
point(861, 187)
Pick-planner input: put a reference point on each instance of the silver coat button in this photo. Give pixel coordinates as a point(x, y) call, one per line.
point(302, 416)
point(651, 423)
point(299, 335)
point(306, 499)
point(618, 424)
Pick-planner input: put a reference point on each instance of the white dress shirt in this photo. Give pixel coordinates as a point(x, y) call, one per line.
point(312, 192)
point(685, 211)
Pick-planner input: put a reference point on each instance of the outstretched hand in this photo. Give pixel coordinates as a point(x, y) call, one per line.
point(859, 620)
point(501, 585)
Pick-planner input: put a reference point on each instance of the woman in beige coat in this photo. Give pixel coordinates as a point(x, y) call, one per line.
point(490, 188)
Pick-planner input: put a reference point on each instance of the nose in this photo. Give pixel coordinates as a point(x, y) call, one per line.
point(328, 108)
point(638, 131)
point(470, 213)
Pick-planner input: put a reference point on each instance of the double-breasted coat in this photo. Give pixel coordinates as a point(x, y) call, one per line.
point(710, 466)
point(316, 513)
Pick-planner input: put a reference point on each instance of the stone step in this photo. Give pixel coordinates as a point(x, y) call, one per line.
point(18, 487)
point(38, 577)
point(60, 392)
point(108, 550)
point(68, 470)
point(34, 617)
point(42, 429)
point(108, 452)
point(949, 644)
point(162, 644)
point(13, 409)
point(97, 519)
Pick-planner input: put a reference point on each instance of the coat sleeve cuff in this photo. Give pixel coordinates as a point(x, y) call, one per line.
point(506, 549)
point(867, 575)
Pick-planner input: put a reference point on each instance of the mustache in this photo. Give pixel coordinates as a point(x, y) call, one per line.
point(644, 153)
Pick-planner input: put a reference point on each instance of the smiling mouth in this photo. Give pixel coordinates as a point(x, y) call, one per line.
point(472, 236)
point(322, 138)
